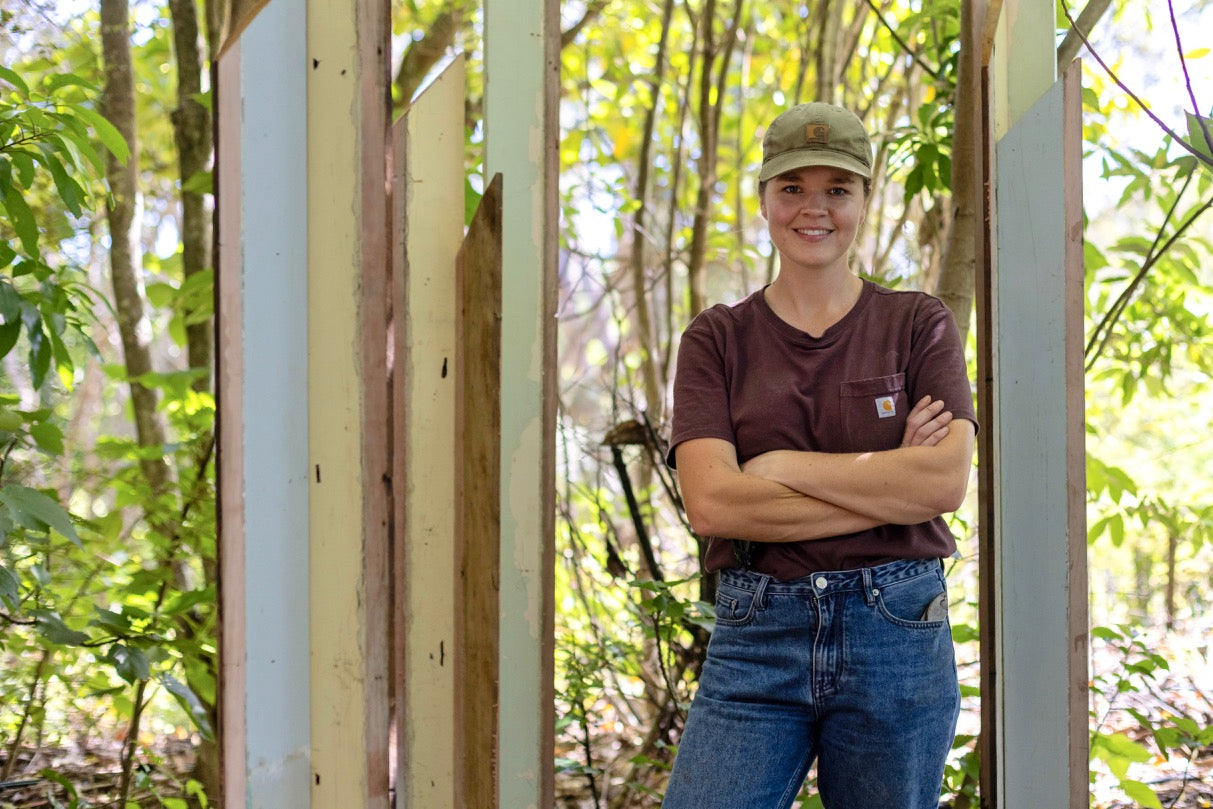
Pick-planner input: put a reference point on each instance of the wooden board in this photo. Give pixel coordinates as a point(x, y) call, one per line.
point(347, 229)
point(521, 134)
point(263, 411)
point(428, 229)
point(1040, 678)
point(477, 484)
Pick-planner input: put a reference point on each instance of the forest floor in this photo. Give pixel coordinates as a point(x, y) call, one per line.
point(54, 777)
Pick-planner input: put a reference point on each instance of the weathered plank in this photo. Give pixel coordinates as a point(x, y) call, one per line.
point(1040, 541)
point(263, 411)
point(428, 228)
point(521, 134)
point(478, 494)
point(347, 136)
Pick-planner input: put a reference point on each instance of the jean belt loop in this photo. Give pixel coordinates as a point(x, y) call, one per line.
point(866, 573)
point(760, 591)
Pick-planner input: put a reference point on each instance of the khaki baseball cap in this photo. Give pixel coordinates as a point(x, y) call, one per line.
point(816, 134)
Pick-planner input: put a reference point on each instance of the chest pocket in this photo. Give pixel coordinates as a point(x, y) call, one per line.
point(874, 412)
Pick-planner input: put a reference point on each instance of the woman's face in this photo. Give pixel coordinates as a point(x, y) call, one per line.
point(813, 215)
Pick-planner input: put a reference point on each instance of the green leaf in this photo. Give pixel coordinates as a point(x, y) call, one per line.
point(1200, 133)
point(130, 663)
point(190, 702)
point(25, 502)
point(48, 436)
point(200, 182)
point(39, 355)
point(10, 588)
point(51, 627)
point(110, 137)
point(61, 80)
point(10, 76)
point(23, 220)
point(1141, 794)
point(9, 332)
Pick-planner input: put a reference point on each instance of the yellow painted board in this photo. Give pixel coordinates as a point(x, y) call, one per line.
point(429, 188)
point(346, 162)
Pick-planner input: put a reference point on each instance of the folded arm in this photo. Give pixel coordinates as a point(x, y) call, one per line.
point(723, 501)
point(907, 485)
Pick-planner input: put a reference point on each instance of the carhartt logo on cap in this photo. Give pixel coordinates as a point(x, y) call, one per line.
point(817, 133)
point(886, 407)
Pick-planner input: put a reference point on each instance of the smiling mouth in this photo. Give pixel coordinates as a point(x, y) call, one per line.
point(813, 231)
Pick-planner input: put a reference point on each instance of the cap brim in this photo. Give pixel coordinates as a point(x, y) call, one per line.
point(805, 158)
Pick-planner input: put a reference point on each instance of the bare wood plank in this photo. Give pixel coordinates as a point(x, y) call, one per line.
point(229, 424)
point(1077, 618)
point(478, 385)
point(374, 46)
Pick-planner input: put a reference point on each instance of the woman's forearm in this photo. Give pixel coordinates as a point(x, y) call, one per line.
point(723, 501)
point(903, 486)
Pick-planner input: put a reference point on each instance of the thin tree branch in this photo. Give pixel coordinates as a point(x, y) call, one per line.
point(591, 13)
point(1112, 75)
point(1179, 50)
point(1122, 302)
point(934, 73)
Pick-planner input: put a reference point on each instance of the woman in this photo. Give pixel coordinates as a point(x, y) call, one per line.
point(821, 427)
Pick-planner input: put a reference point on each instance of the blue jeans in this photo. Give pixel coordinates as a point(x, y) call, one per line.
point(835, 666)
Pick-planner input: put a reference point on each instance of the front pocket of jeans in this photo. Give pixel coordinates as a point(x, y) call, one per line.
point(903, 603)
point(734, 605)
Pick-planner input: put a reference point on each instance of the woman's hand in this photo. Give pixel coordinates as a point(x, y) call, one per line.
point(927, 423)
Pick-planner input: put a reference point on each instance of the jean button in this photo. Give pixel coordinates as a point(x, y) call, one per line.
point(821, 582)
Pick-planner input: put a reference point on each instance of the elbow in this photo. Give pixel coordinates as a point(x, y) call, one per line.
point(950, 496)
point(706, 518)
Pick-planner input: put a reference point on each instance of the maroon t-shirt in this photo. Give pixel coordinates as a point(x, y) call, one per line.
point(750, 378)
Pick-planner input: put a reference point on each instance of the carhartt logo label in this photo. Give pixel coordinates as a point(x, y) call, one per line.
point(817, 133)
point(886, 407)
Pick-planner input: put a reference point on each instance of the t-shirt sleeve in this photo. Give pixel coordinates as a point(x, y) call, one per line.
point(937, 361)
point(701, 399)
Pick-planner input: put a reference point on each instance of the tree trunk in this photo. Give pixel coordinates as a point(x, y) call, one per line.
point(640, 227)
point(122, 213)
point(829, 24)
point(192, 134)
point(1086, 22)
point(959, 271)
point(711, 83)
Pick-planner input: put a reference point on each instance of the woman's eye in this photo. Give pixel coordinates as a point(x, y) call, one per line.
point(839, 191)
point(791, 189)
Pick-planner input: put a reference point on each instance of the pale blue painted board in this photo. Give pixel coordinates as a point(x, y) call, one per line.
point(1033, 577)
point(274, 166)
point(518, 70)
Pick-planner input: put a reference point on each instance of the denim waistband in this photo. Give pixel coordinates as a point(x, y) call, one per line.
point(833, 580)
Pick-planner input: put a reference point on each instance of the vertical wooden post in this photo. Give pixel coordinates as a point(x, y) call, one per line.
point(478, 481)
point(263, 411)
point(522, 71)
point(428, 210)
point(1040, 547)
point(347, 104)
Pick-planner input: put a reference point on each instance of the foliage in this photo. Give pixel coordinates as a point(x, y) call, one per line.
point(105, 591)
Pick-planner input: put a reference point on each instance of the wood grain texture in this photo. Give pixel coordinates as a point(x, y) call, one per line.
point(229, 425)
point(478, 450)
